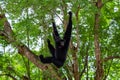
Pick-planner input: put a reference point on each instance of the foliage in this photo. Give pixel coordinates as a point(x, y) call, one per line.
point(31, 23)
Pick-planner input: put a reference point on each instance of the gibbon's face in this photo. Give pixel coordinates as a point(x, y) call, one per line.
point(62, 42)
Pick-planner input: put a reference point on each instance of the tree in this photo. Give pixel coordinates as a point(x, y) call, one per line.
point(94, 47)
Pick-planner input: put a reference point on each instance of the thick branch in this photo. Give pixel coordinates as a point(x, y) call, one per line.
point(99, 4)
point(77, 26)
point(75, 64)
point(1, 33)
point(99, 69)
point(24, 50)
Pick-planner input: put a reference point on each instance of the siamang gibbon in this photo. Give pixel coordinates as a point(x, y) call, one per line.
point(61, 45)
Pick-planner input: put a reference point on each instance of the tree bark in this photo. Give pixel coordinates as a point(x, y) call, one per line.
point(99, 69)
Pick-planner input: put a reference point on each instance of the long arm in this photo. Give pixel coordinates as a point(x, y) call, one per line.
point(67, 34)
point(55, 32)
point(52, 51)
point(51, 48)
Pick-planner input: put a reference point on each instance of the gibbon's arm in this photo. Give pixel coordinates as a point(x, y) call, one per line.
point(51, 48)
point(67, 34)
point(55, 32)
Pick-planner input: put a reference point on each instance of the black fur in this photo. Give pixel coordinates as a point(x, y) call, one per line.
point(61, 45)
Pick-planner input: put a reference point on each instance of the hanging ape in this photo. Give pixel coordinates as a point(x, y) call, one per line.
point(61, 45)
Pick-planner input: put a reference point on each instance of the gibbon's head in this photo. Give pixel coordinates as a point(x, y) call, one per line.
point(61, 43)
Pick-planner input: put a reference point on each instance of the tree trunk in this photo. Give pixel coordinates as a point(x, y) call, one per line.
point(99, 69)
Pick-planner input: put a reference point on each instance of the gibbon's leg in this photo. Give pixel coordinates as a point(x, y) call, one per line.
point(55, 32)
point(51, 48)
point(67, 34)
point(46, 60)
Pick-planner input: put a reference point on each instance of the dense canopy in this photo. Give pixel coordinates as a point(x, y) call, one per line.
point(94, 51)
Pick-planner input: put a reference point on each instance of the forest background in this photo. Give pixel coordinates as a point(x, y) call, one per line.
point(94, 51)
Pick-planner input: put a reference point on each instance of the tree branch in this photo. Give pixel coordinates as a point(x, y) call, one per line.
point(86, 62)
point(24, 50)
point(99, 69)
point(1, 33)
point(111, 57)
point(9, 76)
point(85, 65)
